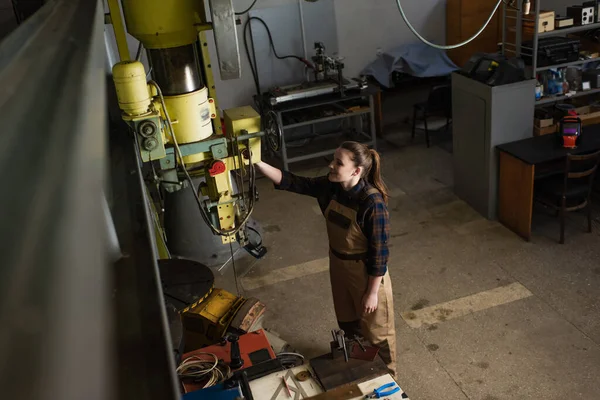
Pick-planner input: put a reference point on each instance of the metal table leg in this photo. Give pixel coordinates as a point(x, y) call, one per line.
point(372, 116)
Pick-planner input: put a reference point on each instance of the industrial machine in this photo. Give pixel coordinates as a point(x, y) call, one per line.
point(171, 111)
point(328, 78)
point(174, 117)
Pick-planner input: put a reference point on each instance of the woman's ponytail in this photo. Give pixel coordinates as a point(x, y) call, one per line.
point(370, 161)
point(375, 178)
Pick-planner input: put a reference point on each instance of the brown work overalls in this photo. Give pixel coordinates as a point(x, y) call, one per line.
point(349, 279)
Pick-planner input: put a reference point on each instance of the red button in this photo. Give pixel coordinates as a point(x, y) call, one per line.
point(217, 168)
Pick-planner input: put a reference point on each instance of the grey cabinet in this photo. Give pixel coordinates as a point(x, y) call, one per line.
point(484, 117)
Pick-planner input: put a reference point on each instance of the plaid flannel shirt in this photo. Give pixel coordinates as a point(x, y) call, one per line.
point(372, 214)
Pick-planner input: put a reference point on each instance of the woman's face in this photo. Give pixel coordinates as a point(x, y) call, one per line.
point(342, 167)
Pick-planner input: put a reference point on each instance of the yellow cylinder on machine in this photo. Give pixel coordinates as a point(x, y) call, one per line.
point(132, 89)
point(162, 24)
point(191, 116)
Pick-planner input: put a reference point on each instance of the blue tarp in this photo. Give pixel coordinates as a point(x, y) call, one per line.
point(416, 59)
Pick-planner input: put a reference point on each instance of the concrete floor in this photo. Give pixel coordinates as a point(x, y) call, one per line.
point(545, 344)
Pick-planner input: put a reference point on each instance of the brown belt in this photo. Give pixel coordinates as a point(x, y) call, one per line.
point(343, 256)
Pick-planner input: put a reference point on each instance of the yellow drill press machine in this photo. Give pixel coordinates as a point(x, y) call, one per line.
point(175, 118)
point(175, 122)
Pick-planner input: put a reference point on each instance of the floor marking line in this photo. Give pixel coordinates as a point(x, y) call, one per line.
point(287, 273)
point(465, 305)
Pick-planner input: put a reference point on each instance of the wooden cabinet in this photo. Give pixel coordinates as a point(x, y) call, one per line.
point(463, 19)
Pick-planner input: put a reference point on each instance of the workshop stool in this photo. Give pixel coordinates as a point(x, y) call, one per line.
point(438, 104)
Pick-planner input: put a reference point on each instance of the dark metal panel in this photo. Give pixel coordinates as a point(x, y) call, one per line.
point(72, 325)
point(144, 363)
point(54, 340)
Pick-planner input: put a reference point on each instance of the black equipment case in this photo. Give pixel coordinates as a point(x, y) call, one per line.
point(551, 51)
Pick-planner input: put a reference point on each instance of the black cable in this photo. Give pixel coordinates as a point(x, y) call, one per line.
point(155, 177)
point(237, 289)
point(257, 234)
point(273, 46)
point(289, 361)
point(248, 9)
point(253, 65)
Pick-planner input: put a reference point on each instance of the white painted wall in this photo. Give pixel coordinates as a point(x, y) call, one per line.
point(358, 37)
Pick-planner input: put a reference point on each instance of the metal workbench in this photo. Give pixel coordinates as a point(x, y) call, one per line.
point(340, 103)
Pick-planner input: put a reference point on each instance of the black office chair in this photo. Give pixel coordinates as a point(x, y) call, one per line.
point(438, 104)
point(571, 190)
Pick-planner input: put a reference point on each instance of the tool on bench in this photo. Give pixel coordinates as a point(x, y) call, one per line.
point(382, 392)
point(351, 348)
point(357, 340)
point(236, 359)
point(339, 344)
point(360, 351)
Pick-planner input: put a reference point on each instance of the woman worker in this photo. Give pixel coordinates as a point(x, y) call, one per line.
point(353, 199)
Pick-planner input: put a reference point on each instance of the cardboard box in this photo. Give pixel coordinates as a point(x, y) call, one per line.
point(589, 115)
point(545, 24)
point(537, 131)
point(563, 22)
point(543, 123)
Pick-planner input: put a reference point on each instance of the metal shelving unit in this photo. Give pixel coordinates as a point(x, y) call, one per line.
point(342, 115)
point(568, 64)
point(552, 99)
point(516, 49)
point(325, 143)
point(573, 29)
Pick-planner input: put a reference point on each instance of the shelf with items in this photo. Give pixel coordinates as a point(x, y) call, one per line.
point(568, 64)
point(522, 33)
point(549, 58)
point(572, 29)
point(570, 95)
point(555, 32)
point(547, 119)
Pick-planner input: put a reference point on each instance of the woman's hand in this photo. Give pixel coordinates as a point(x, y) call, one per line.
point(274, 174)
point(369, 302)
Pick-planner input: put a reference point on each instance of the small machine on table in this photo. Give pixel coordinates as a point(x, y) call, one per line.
point(330, 96)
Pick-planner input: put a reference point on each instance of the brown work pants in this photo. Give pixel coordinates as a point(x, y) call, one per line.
point(349, 283)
